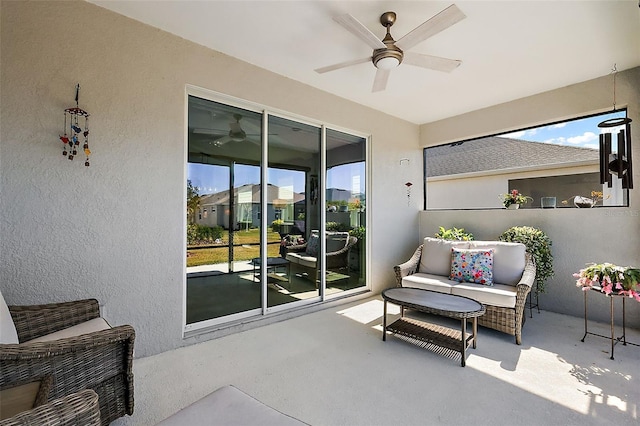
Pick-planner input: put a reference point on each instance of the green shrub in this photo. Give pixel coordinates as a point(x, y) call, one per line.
point(454, 234)
point(360, 233)
point(338, 227)
point(202, 234)
point(539, 245)
point(275, 225)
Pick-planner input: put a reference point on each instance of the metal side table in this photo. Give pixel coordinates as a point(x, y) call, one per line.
point(614, 340)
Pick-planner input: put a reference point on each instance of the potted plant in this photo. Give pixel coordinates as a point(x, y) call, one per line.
point(538, 244)
point(454, 234)
point(513, 199)
point(610, 278)
point(586, 202)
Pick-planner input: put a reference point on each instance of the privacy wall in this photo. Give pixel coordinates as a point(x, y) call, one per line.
point(580, 236)
point(115, 230)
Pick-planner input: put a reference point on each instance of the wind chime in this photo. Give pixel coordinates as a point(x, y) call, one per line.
point(407, 184)
point(616, 163)
point(71, 140)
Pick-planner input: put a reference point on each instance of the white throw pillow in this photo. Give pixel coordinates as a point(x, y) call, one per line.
point(436, 255)
point(8, 333)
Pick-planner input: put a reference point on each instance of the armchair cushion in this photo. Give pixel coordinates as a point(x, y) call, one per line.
point(8, 333)
point(96, 324)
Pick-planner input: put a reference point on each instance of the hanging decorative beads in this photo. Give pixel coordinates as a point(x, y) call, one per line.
point(71, 140)
point(408, 185)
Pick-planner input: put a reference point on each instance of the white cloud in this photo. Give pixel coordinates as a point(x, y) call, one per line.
point(522, 134)
point(514, 135)
point(583, 139)
point(558, 126)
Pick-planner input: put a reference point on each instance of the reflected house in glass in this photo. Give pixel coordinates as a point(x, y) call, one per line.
point(214, 208)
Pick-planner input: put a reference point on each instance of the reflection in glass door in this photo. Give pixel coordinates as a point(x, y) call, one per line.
point(294, 163)
point(273, 228)
point(223, 206)
point(346, 218)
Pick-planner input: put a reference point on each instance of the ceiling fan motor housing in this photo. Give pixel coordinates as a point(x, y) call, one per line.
point(387, 19)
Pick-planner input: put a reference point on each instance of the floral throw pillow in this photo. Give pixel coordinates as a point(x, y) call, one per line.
point(473, 266)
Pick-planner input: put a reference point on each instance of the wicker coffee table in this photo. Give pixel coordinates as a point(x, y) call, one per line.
point(432, 302)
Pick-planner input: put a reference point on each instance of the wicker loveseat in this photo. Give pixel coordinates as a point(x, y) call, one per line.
point(49, 346)
point(513, 275)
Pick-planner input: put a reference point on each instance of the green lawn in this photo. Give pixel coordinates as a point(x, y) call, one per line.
point(246, 247)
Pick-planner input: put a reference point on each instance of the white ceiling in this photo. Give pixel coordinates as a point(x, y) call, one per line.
point(509, 49)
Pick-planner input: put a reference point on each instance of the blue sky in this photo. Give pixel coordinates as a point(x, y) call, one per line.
point(580, 133)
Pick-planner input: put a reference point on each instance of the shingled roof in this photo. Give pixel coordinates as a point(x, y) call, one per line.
point(498, 153)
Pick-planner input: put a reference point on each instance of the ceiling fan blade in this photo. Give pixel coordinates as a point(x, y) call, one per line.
point(354, 26)
point(380, 80)
point(223, 140)
point(431, 62)
point(342, 65)
point(433, 26)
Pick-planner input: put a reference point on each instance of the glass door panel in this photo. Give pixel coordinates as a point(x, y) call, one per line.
point(293, 210)
point(346, 219)
point(223, 211)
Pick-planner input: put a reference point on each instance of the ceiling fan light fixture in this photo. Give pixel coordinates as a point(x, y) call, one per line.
point(387, 63)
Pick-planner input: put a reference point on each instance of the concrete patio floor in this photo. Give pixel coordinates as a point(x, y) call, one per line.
point(331, 367)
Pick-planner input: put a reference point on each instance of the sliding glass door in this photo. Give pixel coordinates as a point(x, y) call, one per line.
point(275, 212)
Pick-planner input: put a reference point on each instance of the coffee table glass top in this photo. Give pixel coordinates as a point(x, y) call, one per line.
point(432, 300)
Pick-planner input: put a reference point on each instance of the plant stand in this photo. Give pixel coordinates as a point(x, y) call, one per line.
point(614, 340)
point(530, 304)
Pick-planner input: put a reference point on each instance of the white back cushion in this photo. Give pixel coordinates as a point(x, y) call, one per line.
point(508, 260)
point(8, 333)
point(436, 255)
point(95, 324)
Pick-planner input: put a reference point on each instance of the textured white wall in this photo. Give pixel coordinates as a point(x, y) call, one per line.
point(579, 236)
point(114, 231)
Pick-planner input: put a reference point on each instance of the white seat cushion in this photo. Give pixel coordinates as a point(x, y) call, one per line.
point(302, 259)
point(8, 333)
point(96, 324)
point(501, 295)
point(436, 255)
point(429, 282)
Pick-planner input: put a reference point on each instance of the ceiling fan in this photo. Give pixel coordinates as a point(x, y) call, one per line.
point(388, 53)
point(236, 134)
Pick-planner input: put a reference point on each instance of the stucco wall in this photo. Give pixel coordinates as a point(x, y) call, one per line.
point(579, 236)
point(114, 231)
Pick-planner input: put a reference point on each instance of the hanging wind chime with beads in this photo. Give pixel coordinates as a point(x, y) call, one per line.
point(71, 140)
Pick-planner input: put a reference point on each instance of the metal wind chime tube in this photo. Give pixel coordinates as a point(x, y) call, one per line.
point(71, 140)
point(620, 162)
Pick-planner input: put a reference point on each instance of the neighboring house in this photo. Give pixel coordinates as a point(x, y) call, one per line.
point(472, 174)
point(281, 204)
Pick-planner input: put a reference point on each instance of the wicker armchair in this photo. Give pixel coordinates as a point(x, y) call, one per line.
point(334, 260)
point(100, 360)
point(506, 320)
point(80, 408)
